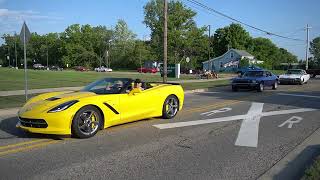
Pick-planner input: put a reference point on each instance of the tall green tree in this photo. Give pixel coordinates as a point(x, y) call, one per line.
point(122, 46)
point(184, 38)
point(233, 36)
point(315, 49)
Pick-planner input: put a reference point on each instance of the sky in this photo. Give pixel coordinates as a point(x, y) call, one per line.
point(284, 17)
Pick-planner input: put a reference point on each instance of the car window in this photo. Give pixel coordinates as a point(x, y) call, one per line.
point(254, 74)
point(107, 86)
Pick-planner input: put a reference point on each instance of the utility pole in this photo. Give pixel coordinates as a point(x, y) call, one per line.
point(209, 42)
point(15, 49)
point(47, 54)
point(307, 47)
point(165, 39)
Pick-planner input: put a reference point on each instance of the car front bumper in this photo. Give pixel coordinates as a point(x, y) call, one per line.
point(289, 81)
point(246, 85)
point(50, 123)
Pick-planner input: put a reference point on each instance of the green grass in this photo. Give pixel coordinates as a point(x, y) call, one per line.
point(313, 173)
point(203, 85)
point(278, 72)
point(18, 101)
point(13, 101)
point(11, 79)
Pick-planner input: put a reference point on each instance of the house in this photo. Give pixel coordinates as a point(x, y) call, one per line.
point(229, 61)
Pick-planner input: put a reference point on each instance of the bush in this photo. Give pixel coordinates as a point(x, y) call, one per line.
point(313, 173)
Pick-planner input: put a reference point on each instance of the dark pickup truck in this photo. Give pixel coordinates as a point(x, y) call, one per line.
point(313, 72)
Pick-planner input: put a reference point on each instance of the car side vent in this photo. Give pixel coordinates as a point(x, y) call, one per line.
point(52, 99)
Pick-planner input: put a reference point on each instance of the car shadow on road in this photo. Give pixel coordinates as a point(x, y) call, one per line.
point(8, 130)
point(295, 169)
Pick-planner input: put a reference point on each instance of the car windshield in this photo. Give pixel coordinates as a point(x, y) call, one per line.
point(253, 74)
point(107, 86)
point(294, 71)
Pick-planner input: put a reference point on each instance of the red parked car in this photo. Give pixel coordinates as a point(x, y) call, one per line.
point(147, 70)
point(80, 68)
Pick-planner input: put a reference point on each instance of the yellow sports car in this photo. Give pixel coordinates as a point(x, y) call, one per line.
point(101, 104)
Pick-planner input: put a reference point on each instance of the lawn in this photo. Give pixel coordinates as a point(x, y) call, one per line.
point(11, 79)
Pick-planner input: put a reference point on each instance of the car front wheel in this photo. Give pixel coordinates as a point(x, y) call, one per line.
point(86, 122)
point(260, 87)
point(275, 85)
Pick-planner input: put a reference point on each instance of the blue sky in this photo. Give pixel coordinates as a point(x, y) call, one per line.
point(285, 17)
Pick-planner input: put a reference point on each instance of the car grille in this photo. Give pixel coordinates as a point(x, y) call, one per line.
point(35, 123)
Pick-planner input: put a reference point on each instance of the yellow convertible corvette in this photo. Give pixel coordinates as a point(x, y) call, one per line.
point(99, 105)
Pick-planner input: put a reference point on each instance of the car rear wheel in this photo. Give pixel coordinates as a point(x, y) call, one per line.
point(275, 85)
point(260, 87)
point(170, 107)
point(86, 122)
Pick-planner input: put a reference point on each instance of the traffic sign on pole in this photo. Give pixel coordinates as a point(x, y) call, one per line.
point(24, 37)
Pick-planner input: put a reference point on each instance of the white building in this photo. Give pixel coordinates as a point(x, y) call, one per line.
point(229, 61)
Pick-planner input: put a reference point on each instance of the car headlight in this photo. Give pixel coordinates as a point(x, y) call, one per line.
point(63, 106)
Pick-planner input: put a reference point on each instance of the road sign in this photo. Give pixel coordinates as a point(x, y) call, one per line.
point(24, 37)
point(187, 59)
point(171, 70)
point(25, 33)
point(248, 133)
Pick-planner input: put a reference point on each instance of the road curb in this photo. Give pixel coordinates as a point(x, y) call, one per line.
point(293, 165)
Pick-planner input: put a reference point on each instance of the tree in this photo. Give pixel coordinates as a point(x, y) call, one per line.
point(244, 62)
point(184, 38)
point(122, 46)
point(315, 49)
point(233, 36)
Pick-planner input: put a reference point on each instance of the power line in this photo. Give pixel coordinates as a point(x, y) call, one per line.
point(240, 22)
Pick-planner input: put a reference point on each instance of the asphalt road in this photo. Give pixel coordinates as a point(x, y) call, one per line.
point(218, 135)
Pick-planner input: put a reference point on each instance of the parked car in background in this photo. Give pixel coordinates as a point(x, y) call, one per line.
point(294, 76)
point(147, 70)
point(55, 68)
point(313, 72)
point(103, 69)
point(80, 68)
point(38, 67)
point(255, 79)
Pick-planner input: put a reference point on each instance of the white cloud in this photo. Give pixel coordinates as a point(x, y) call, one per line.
point(11, 20)
point(24, 15)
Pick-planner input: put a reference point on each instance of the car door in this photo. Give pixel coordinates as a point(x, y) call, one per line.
point(269, 78)
point(136, 106)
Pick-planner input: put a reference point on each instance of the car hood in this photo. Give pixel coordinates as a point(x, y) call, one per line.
point(290, 76)
point(45, 102)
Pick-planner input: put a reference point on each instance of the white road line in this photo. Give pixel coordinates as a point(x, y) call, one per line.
point(198, 122)
point(249, 130)
point(290, 111)
point(298, 95)
point(248, 133)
